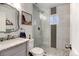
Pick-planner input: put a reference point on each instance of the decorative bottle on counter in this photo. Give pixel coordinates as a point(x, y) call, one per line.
point(29, 36)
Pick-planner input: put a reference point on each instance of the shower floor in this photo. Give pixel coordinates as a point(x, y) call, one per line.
point(56, 52)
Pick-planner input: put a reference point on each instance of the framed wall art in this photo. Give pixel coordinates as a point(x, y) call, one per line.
point(26, 18)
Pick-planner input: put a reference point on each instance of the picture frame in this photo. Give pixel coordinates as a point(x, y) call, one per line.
point(26, 18)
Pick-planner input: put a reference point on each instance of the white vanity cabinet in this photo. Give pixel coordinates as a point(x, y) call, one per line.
point(15, 50)
point(19, 50)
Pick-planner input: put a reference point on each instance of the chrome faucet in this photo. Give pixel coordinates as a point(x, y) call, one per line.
point(8, 37)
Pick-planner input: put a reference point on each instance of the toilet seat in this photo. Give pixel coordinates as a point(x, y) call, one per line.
point(37, 51)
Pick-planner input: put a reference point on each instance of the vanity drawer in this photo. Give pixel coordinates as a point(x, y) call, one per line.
point(20, 53)
point(15, 51)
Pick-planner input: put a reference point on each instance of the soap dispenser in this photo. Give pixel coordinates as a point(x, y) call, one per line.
point(22, 33)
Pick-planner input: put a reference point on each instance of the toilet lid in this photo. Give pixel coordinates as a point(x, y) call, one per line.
point(37, 50)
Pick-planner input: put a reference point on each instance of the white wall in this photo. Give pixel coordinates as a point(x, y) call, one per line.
point(74, 29)
point(27, 7)
point(63, 27)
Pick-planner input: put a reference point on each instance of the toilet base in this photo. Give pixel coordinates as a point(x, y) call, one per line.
point(36, 52)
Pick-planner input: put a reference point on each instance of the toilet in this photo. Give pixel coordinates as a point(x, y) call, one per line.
point(37, 51)
point(34, 51)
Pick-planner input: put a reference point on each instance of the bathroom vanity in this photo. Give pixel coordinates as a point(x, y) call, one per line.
point(14, 47)
point(9, 23)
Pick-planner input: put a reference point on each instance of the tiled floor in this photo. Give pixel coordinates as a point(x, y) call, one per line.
point(56, 52)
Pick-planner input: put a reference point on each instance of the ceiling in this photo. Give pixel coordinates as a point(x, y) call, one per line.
point(48, 5)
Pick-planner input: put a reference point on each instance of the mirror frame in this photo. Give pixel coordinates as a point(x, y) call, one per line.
point(17, 19)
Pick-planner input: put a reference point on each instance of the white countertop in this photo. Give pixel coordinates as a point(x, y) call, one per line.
point(10, 43)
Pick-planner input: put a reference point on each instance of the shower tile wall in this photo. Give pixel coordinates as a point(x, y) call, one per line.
point(42, 36)
point(37, 34)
